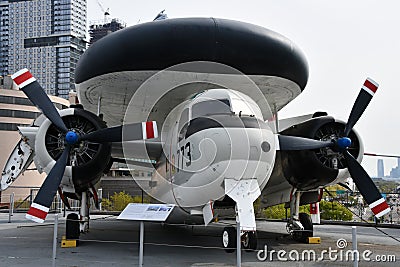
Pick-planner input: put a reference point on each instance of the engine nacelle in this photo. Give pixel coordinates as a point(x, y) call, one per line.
point(87, 160)
point(310, 169)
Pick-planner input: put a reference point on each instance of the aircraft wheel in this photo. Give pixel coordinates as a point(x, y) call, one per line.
point(250, 241)
point(229, 239)
point(72, 226)
point(302, 236)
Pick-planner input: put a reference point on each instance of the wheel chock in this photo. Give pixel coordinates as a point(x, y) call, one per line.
point(314, 240)
point(68, 243)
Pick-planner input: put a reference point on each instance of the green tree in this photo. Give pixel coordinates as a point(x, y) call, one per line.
point(334, 211)
point(275, 212)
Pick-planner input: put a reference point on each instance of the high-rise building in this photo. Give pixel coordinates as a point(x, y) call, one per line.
point(45, 36)
point(395, 172)
point(381, 170)
point(99, 30)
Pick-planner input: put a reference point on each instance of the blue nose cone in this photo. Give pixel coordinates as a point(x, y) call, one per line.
point(71, 138)
point(344, 142)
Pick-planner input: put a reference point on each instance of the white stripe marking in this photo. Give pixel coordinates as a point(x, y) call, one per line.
point(369, 91)
point(155, 131)
point(29, 81)
point(376, 203)
point(144, 133)
point(19, 73)
point(33, 218)
point(380, 214)
point(40, 207)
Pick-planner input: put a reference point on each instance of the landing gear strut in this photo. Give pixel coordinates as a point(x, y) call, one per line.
point(76, 224)
point(249, 240)
point(299, 225)
point(84, 213)
point(244, 192)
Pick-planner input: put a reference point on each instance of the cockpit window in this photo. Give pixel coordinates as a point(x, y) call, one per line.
point(210, 107)
point(245, 108)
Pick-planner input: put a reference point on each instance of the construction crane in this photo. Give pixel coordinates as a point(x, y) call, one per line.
point(105, 12)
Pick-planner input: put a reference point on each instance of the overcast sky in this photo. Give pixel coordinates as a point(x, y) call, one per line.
point(344, 42)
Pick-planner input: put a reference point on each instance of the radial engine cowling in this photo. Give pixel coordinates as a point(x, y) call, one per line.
point(310, 169)
point(87, 160)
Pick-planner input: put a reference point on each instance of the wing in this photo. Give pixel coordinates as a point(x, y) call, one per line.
point(138, 150)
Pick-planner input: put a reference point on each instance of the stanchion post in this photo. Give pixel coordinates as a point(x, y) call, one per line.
point(100, 196)
point(55, 240)
point(141, 244)
point(238, 244)
point(354, 242)
point(11, 207)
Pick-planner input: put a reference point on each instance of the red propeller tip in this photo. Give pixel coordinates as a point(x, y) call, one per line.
point(379, 207)
point(149, 130)
point(23, 77)
point(37, 213)
point(370, 86)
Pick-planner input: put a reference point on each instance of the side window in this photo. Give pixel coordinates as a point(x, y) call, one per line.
point(183, 124)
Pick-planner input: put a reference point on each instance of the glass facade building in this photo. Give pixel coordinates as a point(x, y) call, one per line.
point(45, 36)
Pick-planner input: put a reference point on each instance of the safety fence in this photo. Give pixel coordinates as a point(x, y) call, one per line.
point(13, 202)
point(343, 206)
point(179, 240)
point(335, 206)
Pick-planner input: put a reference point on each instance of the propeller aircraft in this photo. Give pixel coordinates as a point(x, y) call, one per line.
point(214, 88)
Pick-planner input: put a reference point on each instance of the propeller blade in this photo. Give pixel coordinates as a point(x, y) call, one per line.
point(366, 186)
point(381, 155)
point(134, 131)
point(32, 89)
point(40, 206)
point(289, 143)
point(364, 97)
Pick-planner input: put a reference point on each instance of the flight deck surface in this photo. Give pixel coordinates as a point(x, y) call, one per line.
point(112, 242)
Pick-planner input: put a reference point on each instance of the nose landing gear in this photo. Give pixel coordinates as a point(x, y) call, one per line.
point(229, 239)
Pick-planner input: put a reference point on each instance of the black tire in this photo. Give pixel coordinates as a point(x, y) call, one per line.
point(72, 230)
point(302, 236)
point(250, 242)
point(229, 239)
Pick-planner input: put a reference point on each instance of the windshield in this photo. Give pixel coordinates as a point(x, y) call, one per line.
point(210, 107)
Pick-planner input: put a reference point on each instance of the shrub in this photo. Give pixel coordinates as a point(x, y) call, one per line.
point(119, 201)
point(328, 210)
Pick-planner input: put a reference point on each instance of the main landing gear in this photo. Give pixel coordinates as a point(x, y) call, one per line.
point(76, 224)
point(299, 226)
point(229, 239)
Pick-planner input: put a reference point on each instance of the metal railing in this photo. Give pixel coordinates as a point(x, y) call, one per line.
point(346, 206)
